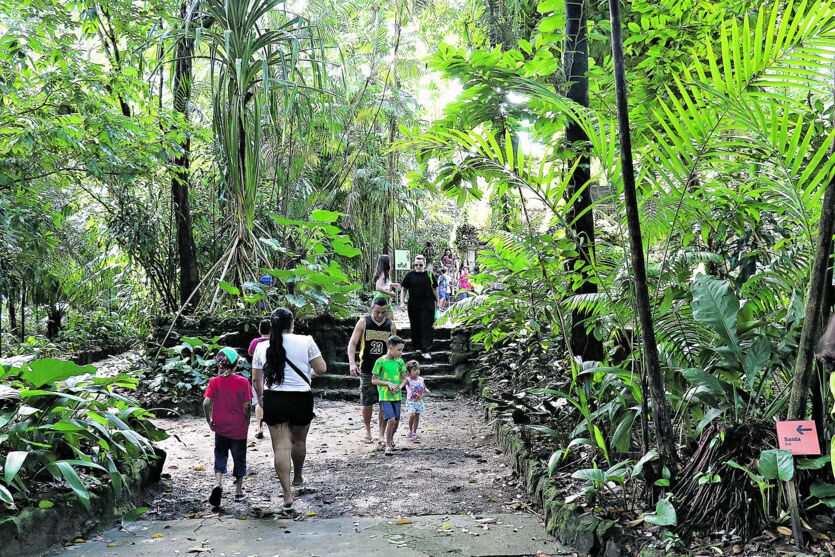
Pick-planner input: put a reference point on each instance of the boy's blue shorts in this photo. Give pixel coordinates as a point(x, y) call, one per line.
point(391, 409)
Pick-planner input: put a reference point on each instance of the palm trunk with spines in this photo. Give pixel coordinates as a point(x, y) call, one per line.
point(661, 411)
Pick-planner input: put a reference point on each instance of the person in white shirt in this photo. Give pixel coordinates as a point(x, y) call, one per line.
point(282, 370)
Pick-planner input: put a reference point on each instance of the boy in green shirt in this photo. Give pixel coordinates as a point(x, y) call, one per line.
point(389, 374)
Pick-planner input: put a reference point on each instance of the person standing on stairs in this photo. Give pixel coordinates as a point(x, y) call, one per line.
point(423, 299)
point(383, 286)
point(370, 333)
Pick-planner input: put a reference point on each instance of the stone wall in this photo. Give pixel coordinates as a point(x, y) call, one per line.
point(584, 532)
point(330, 334)
point(33, 530)
point(462, 358)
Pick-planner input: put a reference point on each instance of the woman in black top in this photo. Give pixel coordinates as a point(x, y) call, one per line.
point(423, 297)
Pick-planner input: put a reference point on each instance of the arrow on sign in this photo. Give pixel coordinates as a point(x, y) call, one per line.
point(801, 430)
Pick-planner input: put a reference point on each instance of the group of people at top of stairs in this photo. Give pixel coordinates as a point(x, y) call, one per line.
point(284, 365)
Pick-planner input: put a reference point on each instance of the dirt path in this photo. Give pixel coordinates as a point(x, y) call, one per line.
point(455, 469)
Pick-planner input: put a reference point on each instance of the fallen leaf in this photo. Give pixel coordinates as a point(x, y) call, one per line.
point(636, 522)
point(736, 549)
point(312, 513)
point(113, 545)
point(157, 535)
point(819, 536)
point(717, 550)
point(199, 468)
point(405, 521)
point(784, 530)
point(198, 549)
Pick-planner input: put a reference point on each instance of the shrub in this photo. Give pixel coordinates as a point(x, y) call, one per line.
point(64, 422)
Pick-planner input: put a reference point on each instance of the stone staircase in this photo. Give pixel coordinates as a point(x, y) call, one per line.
point(438, 373)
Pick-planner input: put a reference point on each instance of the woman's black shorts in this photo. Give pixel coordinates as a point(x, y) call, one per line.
point(293, 407)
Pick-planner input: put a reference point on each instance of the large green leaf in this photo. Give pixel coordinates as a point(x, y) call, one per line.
point(320, 215)
point(65, 470)
point(49, 370)
point(777, 464)
point(664, 515)
point(715, 305)
point(14, 461)
point(700, 378)
point(757, 356)
point(6, 496)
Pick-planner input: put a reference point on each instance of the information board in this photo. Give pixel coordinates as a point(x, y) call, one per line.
point(401, 260)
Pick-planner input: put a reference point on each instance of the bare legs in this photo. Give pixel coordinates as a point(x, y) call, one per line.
point(298, 451)
point(259, 415)
point(290, 448)
point(367, 412)
point(282, 448)
point(239, 483)
point(391, 427)
point(414, 418)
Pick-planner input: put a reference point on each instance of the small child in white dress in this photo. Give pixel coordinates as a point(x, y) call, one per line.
point(415, 391)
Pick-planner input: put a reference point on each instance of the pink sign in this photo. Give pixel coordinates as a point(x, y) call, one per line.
point(799, 437)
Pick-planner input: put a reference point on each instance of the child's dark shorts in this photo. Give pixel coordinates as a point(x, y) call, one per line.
point(369, 394)
point(288, 407)
point(223, 446)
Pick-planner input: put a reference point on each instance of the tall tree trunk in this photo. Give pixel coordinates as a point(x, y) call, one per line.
point(12, 311)
point(661, 411)
point(180, 184)
point(22, 312)
point(388, 211)
point(576, 64)
point(811, 320)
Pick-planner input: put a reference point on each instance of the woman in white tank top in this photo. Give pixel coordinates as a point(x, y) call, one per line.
point(282, 371)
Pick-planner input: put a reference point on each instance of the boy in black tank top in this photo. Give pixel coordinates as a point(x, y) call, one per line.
point(370, 333)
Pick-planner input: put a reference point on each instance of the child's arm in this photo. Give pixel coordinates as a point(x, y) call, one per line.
point(248, 409)
point(207, 411)
point(423, 382)
point(375, 380)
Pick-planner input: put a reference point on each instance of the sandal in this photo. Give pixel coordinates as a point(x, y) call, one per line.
point(298, 485)
point(389, 451)
point(214, 498)
point(240, 496)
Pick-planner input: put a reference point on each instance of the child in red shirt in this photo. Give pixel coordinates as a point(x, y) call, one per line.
point(227, 405)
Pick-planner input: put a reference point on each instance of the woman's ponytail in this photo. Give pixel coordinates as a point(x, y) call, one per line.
point(281, 320)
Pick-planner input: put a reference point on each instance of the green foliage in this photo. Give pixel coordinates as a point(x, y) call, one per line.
point(73, 426)
point(664, 515)
point(182, 373)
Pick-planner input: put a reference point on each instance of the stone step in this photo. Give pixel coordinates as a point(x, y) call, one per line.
point(426, 368)
point(438, 356)
point(438, 345)
point(440, 333)
point(440, 382)
point(354, 394)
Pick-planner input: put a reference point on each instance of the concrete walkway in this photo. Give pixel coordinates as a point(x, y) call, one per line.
point(505, 535)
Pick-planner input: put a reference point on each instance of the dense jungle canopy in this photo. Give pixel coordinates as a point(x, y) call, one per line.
point(663, 289)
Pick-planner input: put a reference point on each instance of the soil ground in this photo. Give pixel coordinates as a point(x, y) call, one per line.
point(456, 468)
